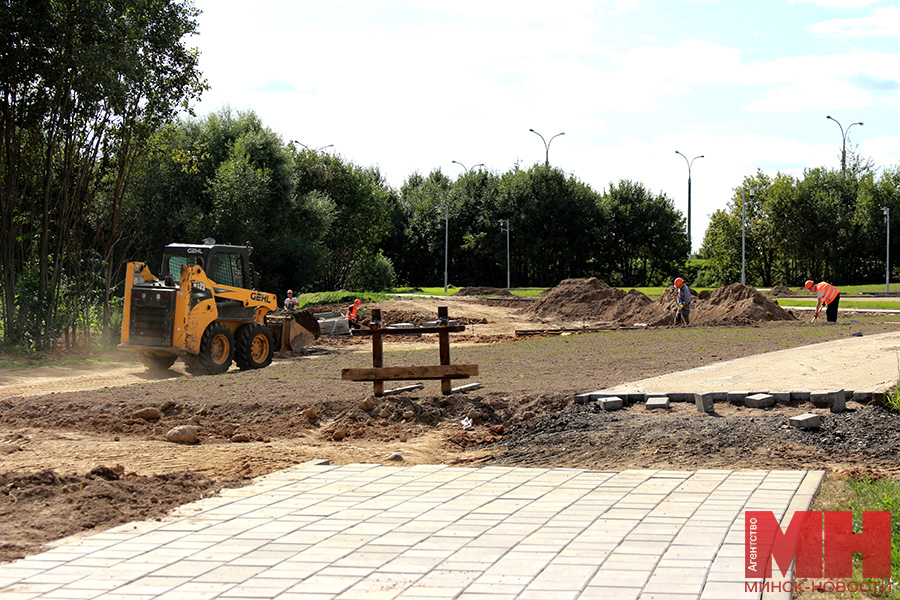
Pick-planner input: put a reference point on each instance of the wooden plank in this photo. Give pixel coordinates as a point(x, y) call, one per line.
point(410, 373)
point(407, 330)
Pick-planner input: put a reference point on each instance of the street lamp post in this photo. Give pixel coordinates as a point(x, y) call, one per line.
point(310, 149)
point(844, 135)
point(465, 167)
point(547, 145)
point(504, 226)
point(887, 260)
point(744, 233)
point(689, 164)
point(446, 239)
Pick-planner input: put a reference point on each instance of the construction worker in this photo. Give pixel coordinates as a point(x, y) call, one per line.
point(826, 295)
point(683, 302)
point(352, 317)
point(290, 302)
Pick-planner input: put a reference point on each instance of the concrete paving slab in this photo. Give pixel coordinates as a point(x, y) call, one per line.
point(431, 531)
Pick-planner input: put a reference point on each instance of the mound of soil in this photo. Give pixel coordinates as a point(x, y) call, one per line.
point(594, 300)
point(738, 304)
point(588, 300)
point(483, 291)
point(781, 290)
point(44, 506)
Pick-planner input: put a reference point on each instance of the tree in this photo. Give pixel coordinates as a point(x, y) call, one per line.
point(83, 84)
point(645, 239)
point(555, 219)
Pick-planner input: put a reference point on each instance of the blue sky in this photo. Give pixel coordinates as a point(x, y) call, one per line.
point(413, 86)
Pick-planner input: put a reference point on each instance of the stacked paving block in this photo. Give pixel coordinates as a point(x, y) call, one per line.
point(759, 401)
point(704, 401)
point(657, 402)
point(611, 403)
point(836, 400)
point(806, 421)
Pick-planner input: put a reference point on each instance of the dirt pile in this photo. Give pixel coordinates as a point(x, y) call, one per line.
point(735, 304)
point(780, 290)
point(738, 304)
point(483, 291)
point(593, 300)
point(588, 300)
point(44, 506)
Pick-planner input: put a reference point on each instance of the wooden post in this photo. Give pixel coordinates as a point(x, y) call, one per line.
point(444, 344)
point(378, 373)
point(377, 351)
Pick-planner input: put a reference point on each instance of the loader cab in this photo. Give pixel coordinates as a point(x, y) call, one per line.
point(226, 265)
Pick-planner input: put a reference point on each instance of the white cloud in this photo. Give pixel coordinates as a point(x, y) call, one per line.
point(885, 22)
point(848, 4)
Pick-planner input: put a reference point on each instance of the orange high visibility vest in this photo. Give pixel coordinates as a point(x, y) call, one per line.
point(830, 294)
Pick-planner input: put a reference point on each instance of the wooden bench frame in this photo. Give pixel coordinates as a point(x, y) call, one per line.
point(378, 373)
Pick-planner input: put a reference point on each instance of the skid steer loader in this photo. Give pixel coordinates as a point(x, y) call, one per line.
point(205, 308)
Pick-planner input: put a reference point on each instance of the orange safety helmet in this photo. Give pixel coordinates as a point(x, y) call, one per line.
point(679, 282)
point(357, 302)
point(809, 284)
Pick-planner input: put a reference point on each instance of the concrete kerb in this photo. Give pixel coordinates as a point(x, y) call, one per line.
point(835, 400)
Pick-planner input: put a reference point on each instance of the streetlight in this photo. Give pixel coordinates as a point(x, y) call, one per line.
point(446, 238)
point(504, 226)
point(689, 163)
point(465, 167)
point(310, 149)
point(887, 260)
point(844, 135)
point(547, 145)
point(744, 233)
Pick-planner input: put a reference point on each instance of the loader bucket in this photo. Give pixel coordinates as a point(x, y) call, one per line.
point(304, 328)
point(293, 332)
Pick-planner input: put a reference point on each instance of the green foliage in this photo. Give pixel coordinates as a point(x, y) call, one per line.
point(827, 225)
point(311, 300)
point(373, 272)
point(859, 496)
point(646, 235)
point(85, 85)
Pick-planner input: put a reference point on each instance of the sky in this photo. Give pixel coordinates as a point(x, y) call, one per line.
point(412, 86)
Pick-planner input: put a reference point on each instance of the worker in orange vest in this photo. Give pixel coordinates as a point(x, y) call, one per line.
point(828, 296)
point(352, 317)
point(683, 302)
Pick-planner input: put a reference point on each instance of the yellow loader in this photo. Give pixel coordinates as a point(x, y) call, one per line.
point(205, 308)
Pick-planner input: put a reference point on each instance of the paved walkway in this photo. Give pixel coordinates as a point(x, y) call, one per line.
point(365, 531)
point(870, 363)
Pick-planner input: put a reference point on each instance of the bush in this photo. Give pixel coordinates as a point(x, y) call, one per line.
point(373, 273)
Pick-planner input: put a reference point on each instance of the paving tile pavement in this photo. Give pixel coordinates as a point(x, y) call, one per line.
point(368, 532)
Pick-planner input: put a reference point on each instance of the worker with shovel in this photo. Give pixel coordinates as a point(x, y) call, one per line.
point(683, 302)
point(826, 295)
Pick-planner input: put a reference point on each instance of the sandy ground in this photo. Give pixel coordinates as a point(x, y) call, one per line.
point(76, 455)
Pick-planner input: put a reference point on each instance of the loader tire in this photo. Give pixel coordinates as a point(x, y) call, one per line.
point(157, 363)
point(255, 346)
point(216, 351)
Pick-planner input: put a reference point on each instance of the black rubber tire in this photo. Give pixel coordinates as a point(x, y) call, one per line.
point(216, 351)
point(157, 362)
point(255, 347)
